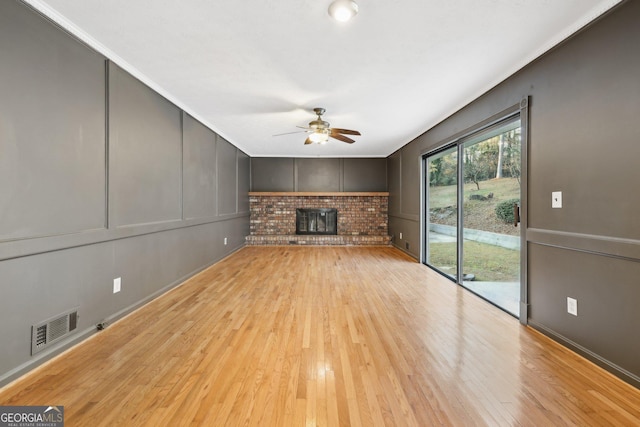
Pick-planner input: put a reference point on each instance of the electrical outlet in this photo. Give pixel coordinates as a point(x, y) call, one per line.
point(406, 245)
point(572, 306)
point(556, 199)
point(400, 236)
point(117, 282)
point(225, 240)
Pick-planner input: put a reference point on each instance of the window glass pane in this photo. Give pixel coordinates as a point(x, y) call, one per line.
point(491, 192)
point(442, 208)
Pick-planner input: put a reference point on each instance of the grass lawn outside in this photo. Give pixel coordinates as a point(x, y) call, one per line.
point(487, 262)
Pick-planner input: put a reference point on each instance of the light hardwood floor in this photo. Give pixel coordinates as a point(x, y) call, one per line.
point(293, 336)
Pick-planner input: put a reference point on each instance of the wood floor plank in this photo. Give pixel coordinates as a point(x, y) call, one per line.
point(335, 336)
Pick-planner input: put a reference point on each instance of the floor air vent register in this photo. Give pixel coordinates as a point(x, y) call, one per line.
point(49, 331)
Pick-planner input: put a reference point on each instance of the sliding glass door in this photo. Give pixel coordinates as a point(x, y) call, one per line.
point(442, 200)
point(491, 232)
point(472, 213)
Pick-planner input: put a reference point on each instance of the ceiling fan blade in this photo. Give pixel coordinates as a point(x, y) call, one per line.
point(289, 133)
point(308, 141)
point(308, 129)
point(341, 138)
point(345, 131)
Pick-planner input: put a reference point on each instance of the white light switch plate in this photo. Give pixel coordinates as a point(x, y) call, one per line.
point(116, 285)
point(572, 306)
point(556, 199)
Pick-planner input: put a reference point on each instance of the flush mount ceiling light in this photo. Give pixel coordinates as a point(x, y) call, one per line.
point(343, 10)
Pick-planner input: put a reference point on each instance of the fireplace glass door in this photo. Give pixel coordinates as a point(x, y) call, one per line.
point(316, 221)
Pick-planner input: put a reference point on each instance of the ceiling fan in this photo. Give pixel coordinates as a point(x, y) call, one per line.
point(320, 131)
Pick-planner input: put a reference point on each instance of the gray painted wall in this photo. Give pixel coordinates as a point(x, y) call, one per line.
point(41, 70)
point(318, 174)
point(404, 204)
point(153, 213)
point(583, 141)
point(200, 182)
point(142, 125)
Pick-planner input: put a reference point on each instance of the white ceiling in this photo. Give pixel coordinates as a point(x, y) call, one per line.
point(252, 69)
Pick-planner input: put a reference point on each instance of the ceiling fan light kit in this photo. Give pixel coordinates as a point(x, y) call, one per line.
point(319, 137)
point(343, 10)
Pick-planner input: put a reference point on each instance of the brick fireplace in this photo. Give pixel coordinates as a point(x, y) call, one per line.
point(362, 218)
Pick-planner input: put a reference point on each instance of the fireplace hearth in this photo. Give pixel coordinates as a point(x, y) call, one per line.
point(323, 221)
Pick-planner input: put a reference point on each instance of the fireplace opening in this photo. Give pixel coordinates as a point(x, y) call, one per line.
point(317, 221)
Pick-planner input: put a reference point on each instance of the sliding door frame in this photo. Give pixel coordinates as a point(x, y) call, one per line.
point(424, 215)
point(519, 111)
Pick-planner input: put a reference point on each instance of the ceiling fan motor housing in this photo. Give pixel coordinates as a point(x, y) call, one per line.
point(318, 124)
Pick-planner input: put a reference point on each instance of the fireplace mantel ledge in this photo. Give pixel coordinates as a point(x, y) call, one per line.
point(319, 193)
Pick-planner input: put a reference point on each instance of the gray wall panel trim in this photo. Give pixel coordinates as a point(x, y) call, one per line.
point(107, 202)
point(585, 352)
point(318, 174)
point(409, 217)
point(366, 174)
point(273, 174)
point(226, 171)
point(145, 147)
point(393, 183)
point(401, 185)
point(28, 247)
point(524, 209)
point(182, 210)
point(321, 174)
point(199, 169)
point(287, 156)
point(410, 177)
point(628, 249)
point(143, 224)
point(244, 182)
